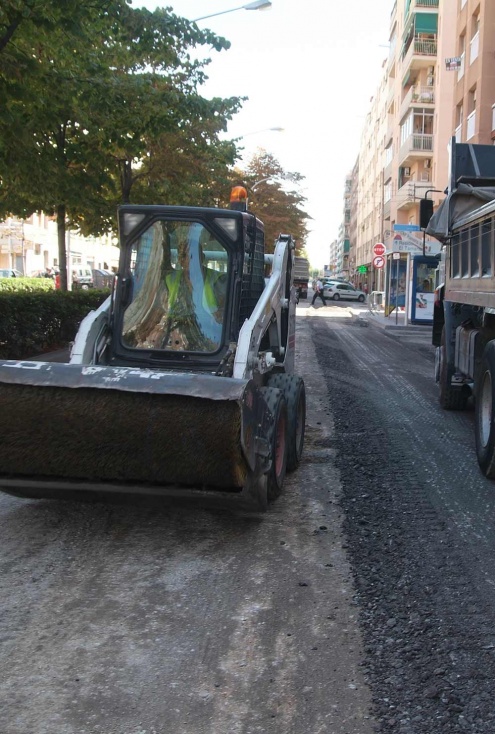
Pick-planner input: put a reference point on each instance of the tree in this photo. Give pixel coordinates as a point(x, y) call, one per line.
point(106, 85)
point(274, 201)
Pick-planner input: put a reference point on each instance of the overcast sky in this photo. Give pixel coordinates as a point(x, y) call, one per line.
point(310, 67)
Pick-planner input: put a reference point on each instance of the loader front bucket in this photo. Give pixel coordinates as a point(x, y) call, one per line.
point(122, 429)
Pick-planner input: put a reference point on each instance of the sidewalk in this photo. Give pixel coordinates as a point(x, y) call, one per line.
point(394, 322)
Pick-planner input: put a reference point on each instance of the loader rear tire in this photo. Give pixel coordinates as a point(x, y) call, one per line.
point(277, 439)
point(295, 397)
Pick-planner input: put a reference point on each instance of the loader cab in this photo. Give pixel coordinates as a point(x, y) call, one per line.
point(181, 289)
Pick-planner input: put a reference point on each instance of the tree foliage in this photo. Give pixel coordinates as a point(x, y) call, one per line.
point(101, 106)
point(275, 197)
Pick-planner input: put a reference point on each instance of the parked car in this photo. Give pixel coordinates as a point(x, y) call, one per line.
point(48, 273)
point(103, 278)
point(82, 278)
point(10, 273)
point(330, 281)
point(346, 291)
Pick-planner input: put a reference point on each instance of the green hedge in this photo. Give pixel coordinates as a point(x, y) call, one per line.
point(40, 321)
point(16, 285)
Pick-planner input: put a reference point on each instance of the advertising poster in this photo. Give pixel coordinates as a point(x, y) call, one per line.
point(423, 290)
point(397, 292)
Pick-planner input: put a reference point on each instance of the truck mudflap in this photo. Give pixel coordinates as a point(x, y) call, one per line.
point(78, 428)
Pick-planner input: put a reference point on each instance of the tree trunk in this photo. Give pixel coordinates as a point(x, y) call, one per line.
point(62, 255)
point(126, 181)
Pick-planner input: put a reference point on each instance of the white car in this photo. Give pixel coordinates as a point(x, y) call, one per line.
point(10, 273)
point(344, 291)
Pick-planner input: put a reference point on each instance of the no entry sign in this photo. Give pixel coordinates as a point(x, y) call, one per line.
point(379, 249)
point(378, 262)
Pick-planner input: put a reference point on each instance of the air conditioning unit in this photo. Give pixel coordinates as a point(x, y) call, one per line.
point(427, 163)
point(407, 171)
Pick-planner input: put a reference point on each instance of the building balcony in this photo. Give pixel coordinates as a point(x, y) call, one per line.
point(419, 53)
point(474, 47)
point(417, 145)
point(470, 125)
point(410, 193)
point(417, 96)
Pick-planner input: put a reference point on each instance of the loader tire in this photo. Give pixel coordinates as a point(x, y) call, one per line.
point(295, 397)
point(277, 439)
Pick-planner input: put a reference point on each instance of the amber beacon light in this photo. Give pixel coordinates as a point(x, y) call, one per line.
point(238, 198)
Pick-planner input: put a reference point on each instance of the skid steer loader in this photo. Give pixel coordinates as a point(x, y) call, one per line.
point(181, 383)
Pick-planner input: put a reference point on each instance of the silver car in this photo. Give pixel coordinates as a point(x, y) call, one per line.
point(344, 291)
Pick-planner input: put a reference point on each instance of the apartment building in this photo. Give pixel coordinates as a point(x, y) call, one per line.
point(353, 223)
point(404, 144)
point(474, 94)
point(419, 109)
point(31, 245)
point(371, 186)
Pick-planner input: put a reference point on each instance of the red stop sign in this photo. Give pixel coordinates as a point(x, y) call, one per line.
point(379, 249)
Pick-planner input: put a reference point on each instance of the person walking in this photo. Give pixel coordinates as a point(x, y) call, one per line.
point(318, 293)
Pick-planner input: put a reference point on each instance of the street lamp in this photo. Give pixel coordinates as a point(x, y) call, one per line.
point(264, 130)
point(257, 5)
point(263, 180)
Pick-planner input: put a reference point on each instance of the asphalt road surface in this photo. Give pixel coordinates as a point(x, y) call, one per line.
point(363, 601)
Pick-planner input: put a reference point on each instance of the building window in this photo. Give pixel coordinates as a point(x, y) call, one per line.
point(472, 100)
point(471, 118)
point(474, 45)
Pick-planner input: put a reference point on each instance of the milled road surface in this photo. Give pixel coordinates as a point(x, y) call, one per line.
point(419, 521)
point(125, 620)
point(363, 601)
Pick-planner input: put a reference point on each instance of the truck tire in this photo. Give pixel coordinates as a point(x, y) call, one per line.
point(449, 398)
point(295, 397)
point(277, 439)
point(484, 412)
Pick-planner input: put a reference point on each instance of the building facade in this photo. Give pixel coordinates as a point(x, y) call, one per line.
point(473, 116)
point(31, 246)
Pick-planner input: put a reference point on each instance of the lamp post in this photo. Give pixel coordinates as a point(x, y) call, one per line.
point(257, 5)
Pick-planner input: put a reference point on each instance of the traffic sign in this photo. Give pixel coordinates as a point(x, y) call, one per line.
point(378, 262)
point(379, 249)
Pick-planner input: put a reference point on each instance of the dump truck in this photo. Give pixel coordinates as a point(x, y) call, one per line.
point(464, 309)
point(181, 384)
point(301, 277)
